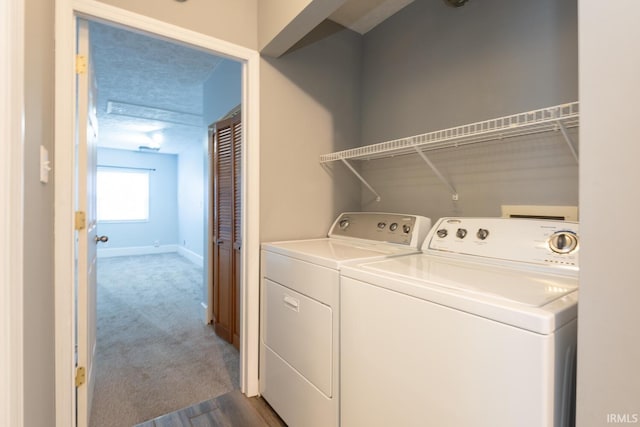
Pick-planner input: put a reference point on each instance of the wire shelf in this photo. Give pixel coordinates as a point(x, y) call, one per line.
point(556, 118)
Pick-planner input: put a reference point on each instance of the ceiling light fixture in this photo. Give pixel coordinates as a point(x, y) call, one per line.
point(147, 148)
point(455, 3)
point(156, 138)
point(153, 113)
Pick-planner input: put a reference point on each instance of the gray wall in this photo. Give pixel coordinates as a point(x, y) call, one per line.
point(39, 369)
point(191, 184)
point(608, 314)
point(309, 105)
point(431, 67)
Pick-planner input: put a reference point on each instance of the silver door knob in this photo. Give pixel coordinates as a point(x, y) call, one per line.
point(102, 239)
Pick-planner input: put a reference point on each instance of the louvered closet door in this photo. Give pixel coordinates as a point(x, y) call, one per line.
point(226, 225)
point(237, 229)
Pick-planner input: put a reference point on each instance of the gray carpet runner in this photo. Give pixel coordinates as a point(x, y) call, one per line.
point(155, 355)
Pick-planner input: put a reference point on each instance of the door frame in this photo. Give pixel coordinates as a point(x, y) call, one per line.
point(66, 13)
point(12, 26)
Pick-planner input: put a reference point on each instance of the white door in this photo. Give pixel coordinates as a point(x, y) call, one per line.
point(86, 238)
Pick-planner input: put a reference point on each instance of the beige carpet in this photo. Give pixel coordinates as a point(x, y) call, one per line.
point(155, 355)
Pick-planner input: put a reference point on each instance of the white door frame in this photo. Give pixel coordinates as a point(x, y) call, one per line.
point(66, 13)
point(12, 25)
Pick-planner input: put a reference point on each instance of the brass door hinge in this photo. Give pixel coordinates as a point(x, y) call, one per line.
point(81, 220)
point(80, 375)
point(81, 64)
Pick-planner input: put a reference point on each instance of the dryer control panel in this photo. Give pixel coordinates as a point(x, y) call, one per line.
point(396, 228)
point(550, 243)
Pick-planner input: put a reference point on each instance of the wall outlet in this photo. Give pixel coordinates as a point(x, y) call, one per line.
point(156, 243)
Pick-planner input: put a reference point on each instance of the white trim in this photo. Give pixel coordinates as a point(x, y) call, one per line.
point(205, 313)
point(136, 250)
point(191, 256)
point(66, 10)
point(250, 257)
point(64, 161)
point(12, 23)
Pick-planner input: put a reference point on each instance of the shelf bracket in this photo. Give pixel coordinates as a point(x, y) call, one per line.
point(364, 181)
point(567, 138)
point(454, 193)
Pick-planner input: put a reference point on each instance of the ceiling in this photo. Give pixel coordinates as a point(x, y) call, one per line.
point(150, 91)
point(363, 15)
point(148, 87)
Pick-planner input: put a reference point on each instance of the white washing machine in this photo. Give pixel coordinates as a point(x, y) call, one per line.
point(478, 330)
point(300, 291)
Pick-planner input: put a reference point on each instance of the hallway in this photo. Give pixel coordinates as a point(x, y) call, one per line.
point(154, 353)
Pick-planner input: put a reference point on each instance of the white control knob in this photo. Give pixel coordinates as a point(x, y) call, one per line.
point(563, 242)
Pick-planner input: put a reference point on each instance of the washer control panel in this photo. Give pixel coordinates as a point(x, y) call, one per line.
point(537, 241)
point(402, 229)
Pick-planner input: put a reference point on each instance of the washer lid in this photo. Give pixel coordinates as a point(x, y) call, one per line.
point(531, 300)
point(523, 287)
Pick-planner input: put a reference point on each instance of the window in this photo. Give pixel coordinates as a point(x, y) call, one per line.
point(123, 195)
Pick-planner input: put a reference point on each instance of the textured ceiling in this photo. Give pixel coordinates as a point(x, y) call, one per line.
point(146, 86)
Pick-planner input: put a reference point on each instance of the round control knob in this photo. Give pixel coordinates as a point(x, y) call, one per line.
point(394, 226)
point(563, 242)
point(381, 225)
point(482, 233)
point(442, 233)
point(344, 224)
point(406, 228)
point(461, 233)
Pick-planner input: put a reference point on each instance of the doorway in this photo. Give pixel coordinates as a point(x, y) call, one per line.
point(66, 12)
point(152, 159)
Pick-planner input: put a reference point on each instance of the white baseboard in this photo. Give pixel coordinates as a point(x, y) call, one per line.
point(136, 250)
point(191, 256)
point(205, 313)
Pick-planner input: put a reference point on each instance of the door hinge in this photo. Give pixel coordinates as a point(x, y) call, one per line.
point(81, 64)
point(80, 375)
point(81, 220)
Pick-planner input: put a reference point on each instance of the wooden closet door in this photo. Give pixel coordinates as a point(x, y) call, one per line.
point(226, 226)
point(237, 228)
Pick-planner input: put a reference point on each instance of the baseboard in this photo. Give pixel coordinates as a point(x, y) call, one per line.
point(205, 313)
point(191, 256)
point(136, 250)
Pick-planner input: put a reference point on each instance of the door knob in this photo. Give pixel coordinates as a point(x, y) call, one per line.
point(219, 242)
point(102, 239)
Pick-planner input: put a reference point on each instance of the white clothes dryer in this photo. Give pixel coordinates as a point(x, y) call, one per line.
point(478, 330)
point(299, 336)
